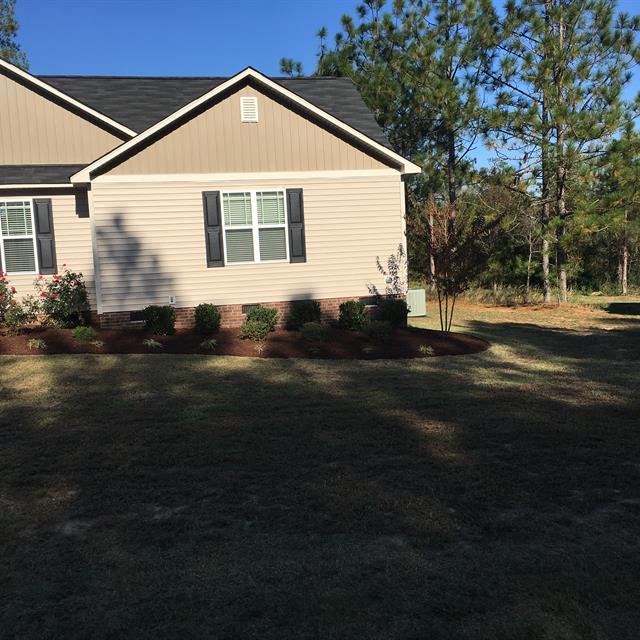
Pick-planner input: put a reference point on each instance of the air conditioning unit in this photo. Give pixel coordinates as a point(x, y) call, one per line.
point(417, 303)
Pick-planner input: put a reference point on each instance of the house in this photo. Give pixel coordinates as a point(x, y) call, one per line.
point(234, 191)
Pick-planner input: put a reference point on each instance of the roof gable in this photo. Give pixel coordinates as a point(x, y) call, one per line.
point(217, 141)
point(65, 101)
point(141, 102)
point(201, 104)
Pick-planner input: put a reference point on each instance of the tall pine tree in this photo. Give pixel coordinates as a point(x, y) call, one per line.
point(558, 82)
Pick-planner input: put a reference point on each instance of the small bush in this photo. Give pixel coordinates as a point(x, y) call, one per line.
point(84, 332)
point(209, 345)
point(207, 319)
point(266, 315)
point(426, 350)
point(161, 321)
point(394, 311)
point(315, 332)
point(63, 299)
point(254, 330)
point(37, 344)
point(352, 315)
point(302, 312)
point(378, 330)
point(152, 344)
point(97, 344)
point(16, 318)
point(260, 348)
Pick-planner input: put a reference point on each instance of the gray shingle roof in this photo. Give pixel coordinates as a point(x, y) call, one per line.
point(37, 173)
point(140, 102)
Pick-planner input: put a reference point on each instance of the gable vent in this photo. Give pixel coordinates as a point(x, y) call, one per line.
point(248, 109)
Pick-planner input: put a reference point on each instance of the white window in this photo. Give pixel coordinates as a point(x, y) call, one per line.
point(18, 237)
point(255, 226)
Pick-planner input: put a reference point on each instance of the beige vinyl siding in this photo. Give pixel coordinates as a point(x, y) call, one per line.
point(150, 242)
point(216, 141)
point(34, 130)
point(73, 243)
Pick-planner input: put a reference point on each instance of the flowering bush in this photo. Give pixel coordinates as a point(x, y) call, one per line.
point(16, 318)
point(63, 299)
point(6, 295)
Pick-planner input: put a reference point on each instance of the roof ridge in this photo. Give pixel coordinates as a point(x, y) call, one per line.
point(112, 77)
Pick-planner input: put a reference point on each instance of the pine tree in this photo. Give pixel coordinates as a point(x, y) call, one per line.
point(558, 84)
point(620, 199)
point(9, 48)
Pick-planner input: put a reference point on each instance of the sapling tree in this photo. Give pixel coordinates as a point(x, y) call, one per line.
point(459, 245)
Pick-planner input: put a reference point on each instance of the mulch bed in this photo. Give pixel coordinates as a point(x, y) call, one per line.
point(343, 344)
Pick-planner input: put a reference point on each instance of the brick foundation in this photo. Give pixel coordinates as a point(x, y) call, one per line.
point(231, 314)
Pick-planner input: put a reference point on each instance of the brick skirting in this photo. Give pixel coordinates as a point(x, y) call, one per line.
point(231, 314)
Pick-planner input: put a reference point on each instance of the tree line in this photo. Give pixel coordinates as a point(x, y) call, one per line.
point(536, 89)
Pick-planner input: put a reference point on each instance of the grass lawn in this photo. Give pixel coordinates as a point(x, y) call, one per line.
point(487, 496)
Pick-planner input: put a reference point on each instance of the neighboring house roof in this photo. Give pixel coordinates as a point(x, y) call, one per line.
point(60, 97)
point(172, 121)
point(141, 102)
point(37, 174)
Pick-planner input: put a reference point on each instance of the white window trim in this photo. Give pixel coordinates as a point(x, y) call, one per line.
point(32, 237)
point(254, 226)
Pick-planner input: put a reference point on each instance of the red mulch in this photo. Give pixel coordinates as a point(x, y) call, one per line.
point(343, 344)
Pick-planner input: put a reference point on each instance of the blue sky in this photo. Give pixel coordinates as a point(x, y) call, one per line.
point(186, 37)
point(169, 37)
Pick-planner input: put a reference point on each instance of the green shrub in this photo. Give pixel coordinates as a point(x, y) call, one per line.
point(378, 330)
point(426, 350)
point(37, 344)
point(161, 321)
point(302, 312)
point(254, 330)
point(352, 315)
point(16, 318)
point(84, 333)
point(207, 319)
point(394, 311)
point(315, 332)
point(266, 315)
point(63, 299)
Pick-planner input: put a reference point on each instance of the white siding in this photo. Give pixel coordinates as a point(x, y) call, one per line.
point(150, 242)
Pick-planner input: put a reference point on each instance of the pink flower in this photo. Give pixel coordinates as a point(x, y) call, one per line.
point(40, 277)
point(43, 294)
point(13, 289)
point(53, 296)
point(13, 302)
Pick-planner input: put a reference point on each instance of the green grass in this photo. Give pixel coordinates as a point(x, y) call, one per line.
point(485, 496)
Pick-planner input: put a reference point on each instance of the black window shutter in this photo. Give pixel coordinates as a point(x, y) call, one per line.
point(213, 228)
point(295, 206)
point(45, 239)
